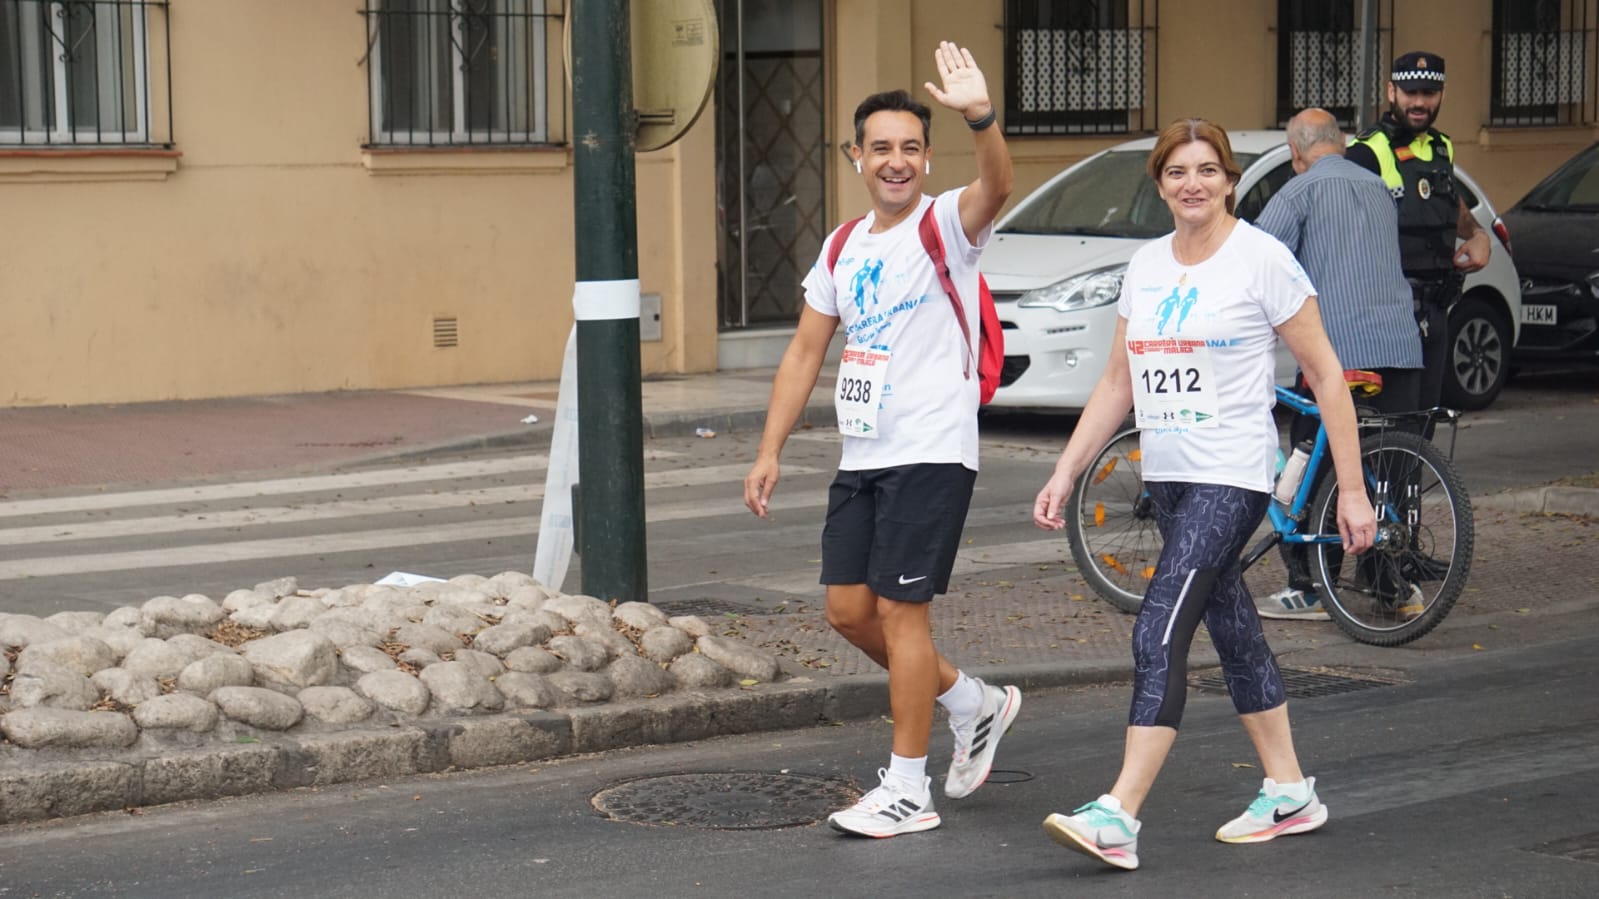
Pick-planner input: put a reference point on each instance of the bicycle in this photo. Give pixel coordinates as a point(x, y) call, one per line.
point(1392, 594)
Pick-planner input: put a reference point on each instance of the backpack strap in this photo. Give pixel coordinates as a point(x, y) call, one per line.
point(835, 247)
point(934, 244)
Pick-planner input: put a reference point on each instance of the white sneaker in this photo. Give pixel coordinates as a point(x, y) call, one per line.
point(890, 810)
point(1274, 813)
point(1099, 829)
point(977, 738)
point(1289, 604)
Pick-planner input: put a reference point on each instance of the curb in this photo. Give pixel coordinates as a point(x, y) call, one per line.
point(59, 789)
point(670, 424)
point(1553, 500)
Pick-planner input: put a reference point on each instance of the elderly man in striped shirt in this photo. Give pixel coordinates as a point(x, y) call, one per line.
point(1339, 220)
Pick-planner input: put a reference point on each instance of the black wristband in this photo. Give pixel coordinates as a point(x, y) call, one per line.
point(983, 122)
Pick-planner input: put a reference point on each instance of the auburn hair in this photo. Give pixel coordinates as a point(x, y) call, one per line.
point(1187, 131)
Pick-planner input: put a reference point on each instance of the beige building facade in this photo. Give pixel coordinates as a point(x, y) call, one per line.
point(211, 198)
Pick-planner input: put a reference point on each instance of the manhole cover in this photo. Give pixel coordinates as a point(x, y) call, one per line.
point(715, 608)
point(1301, 684)
point(726, 801)
point(1584, 848)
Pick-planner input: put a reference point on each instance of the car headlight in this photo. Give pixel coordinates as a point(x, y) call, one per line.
point(1099, 287)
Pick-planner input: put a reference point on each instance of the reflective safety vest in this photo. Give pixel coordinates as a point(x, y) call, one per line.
point(1421, 176)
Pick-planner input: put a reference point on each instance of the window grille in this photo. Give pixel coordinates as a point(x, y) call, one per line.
point(1318, 57)
point(465, 72)
point(76, 72)
point(1079, 66)
point(1543, 69)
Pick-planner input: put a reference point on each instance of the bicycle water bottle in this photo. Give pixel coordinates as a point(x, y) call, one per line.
point(1293, 473)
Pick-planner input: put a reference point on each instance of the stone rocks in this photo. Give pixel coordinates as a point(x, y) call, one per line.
point(633, 676)
point(738, 657)
point(366, 659)
point(176, 711)
point(696, 671)
point(84, 655)
point(40, 728)
point(258, 707)
point(526, 691)
point(503, 639)
point(532, 659)
point(168, 616)
point(155, 658)
point(639, 615)
point(458, 687)
point(470, 646)
point(296, 659)
point(124, 686)
point(202, 676)
point(44, 683)
point(23, 630)
point(663, 644)
point(335, 705)
point(395, 690)
point(580, 652)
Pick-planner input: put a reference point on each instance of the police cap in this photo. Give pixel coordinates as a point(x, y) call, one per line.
point(1418, 70)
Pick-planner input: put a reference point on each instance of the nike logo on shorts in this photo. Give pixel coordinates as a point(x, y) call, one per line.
point(903, 580)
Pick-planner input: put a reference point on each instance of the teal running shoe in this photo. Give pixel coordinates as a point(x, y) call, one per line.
point(1274, 814)
point(1099, 829)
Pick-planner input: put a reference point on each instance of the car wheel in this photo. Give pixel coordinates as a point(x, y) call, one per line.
point(1479, 355)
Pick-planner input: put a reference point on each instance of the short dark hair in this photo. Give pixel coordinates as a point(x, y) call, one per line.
point(892, 101)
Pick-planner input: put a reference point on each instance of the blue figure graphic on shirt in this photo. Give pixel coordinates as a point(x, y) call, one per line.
point(1165, 309)
point(1188, 306)
point(868, 276)
point(1171, 305)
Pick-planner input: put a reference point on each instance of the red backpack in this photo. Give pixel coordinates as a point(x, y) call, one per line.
point(991, 354)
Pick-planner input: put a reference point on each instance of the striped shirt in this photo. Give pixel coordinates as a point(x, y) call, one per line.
point(1339, 220)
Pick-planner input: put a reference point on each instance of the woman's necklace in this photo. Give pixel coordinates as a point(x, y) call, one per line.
point(1197, 248)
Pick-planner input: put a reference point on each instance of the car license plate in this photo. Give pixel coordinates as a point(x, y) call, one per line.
point(1538, 315)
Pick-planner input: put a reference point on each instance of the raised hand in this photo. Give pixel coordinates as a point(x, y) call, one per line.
point(965, 90)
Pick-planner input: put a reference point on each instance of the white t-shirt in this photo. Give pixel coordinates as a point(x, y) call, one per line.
point(1209, 329)
point(885, 292)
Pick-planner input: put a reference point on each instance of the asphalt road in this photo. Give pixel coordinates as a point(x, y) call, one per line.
point(479, 514)
point(1472, 778)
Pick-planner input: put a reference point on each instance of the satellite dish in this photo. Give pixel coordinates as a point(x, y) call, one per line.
point(676, 46)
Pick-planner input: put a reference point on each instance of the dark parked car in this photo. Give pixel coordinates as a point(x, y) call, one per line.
point(1556, 233)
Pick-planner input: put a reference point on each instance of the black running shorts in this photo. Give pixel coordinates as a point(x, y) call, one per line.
point(896, 529)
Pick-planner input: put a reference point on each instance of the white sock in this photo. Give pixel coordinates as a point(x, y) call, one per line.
point(912, 772)
point(1295, 791)
point(1115, 805)
point(964, 699)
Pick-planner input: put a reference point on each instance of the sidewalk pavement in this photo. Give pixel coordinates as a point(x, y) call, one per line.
point(1018, 621)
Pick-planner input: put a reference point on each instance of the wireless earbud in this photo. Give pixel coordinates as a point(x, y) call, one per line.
point(857, 166)
point(927, 167)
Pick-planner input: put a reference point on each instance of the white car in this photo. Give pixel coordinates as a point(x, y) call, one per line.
point(1056, 261)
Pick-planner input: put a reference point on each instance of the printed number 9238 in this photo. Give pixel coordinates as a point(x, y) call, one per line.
point(855, 390)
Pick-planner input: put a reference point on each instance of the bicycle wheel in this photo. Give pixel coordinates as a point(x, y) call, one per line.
point(1110, 524)
point(1404, 586)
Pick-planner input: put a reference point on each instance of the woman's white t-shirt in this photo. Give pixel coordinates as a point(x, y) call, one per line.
point(1200, 343)
point(886, 294)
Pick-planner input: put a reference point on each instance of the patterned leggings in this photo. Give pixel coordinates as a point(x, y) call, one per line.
point(1204, 527)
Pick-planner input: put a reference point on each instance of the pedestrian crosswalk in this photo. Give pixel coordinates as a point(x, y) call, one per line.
point(396, 518)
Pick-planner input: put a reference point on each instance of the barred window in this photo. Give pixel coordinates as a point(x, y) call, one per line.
point(464, 72)
point(76, 72)
point(1542, 73)
point(1079, 66)
point(1318, 57)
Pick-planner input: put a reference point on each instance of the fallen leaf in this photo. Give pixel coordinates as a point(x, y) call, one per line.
point(1476, 646)
point(1242, 765)
point(748, 682)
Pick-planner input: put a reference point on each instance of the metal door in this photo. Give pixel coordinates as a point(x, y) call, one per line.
point(771, 148)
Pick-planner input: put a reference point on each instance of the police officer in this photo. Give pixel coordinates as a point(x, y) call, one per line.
point(1416, 161)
